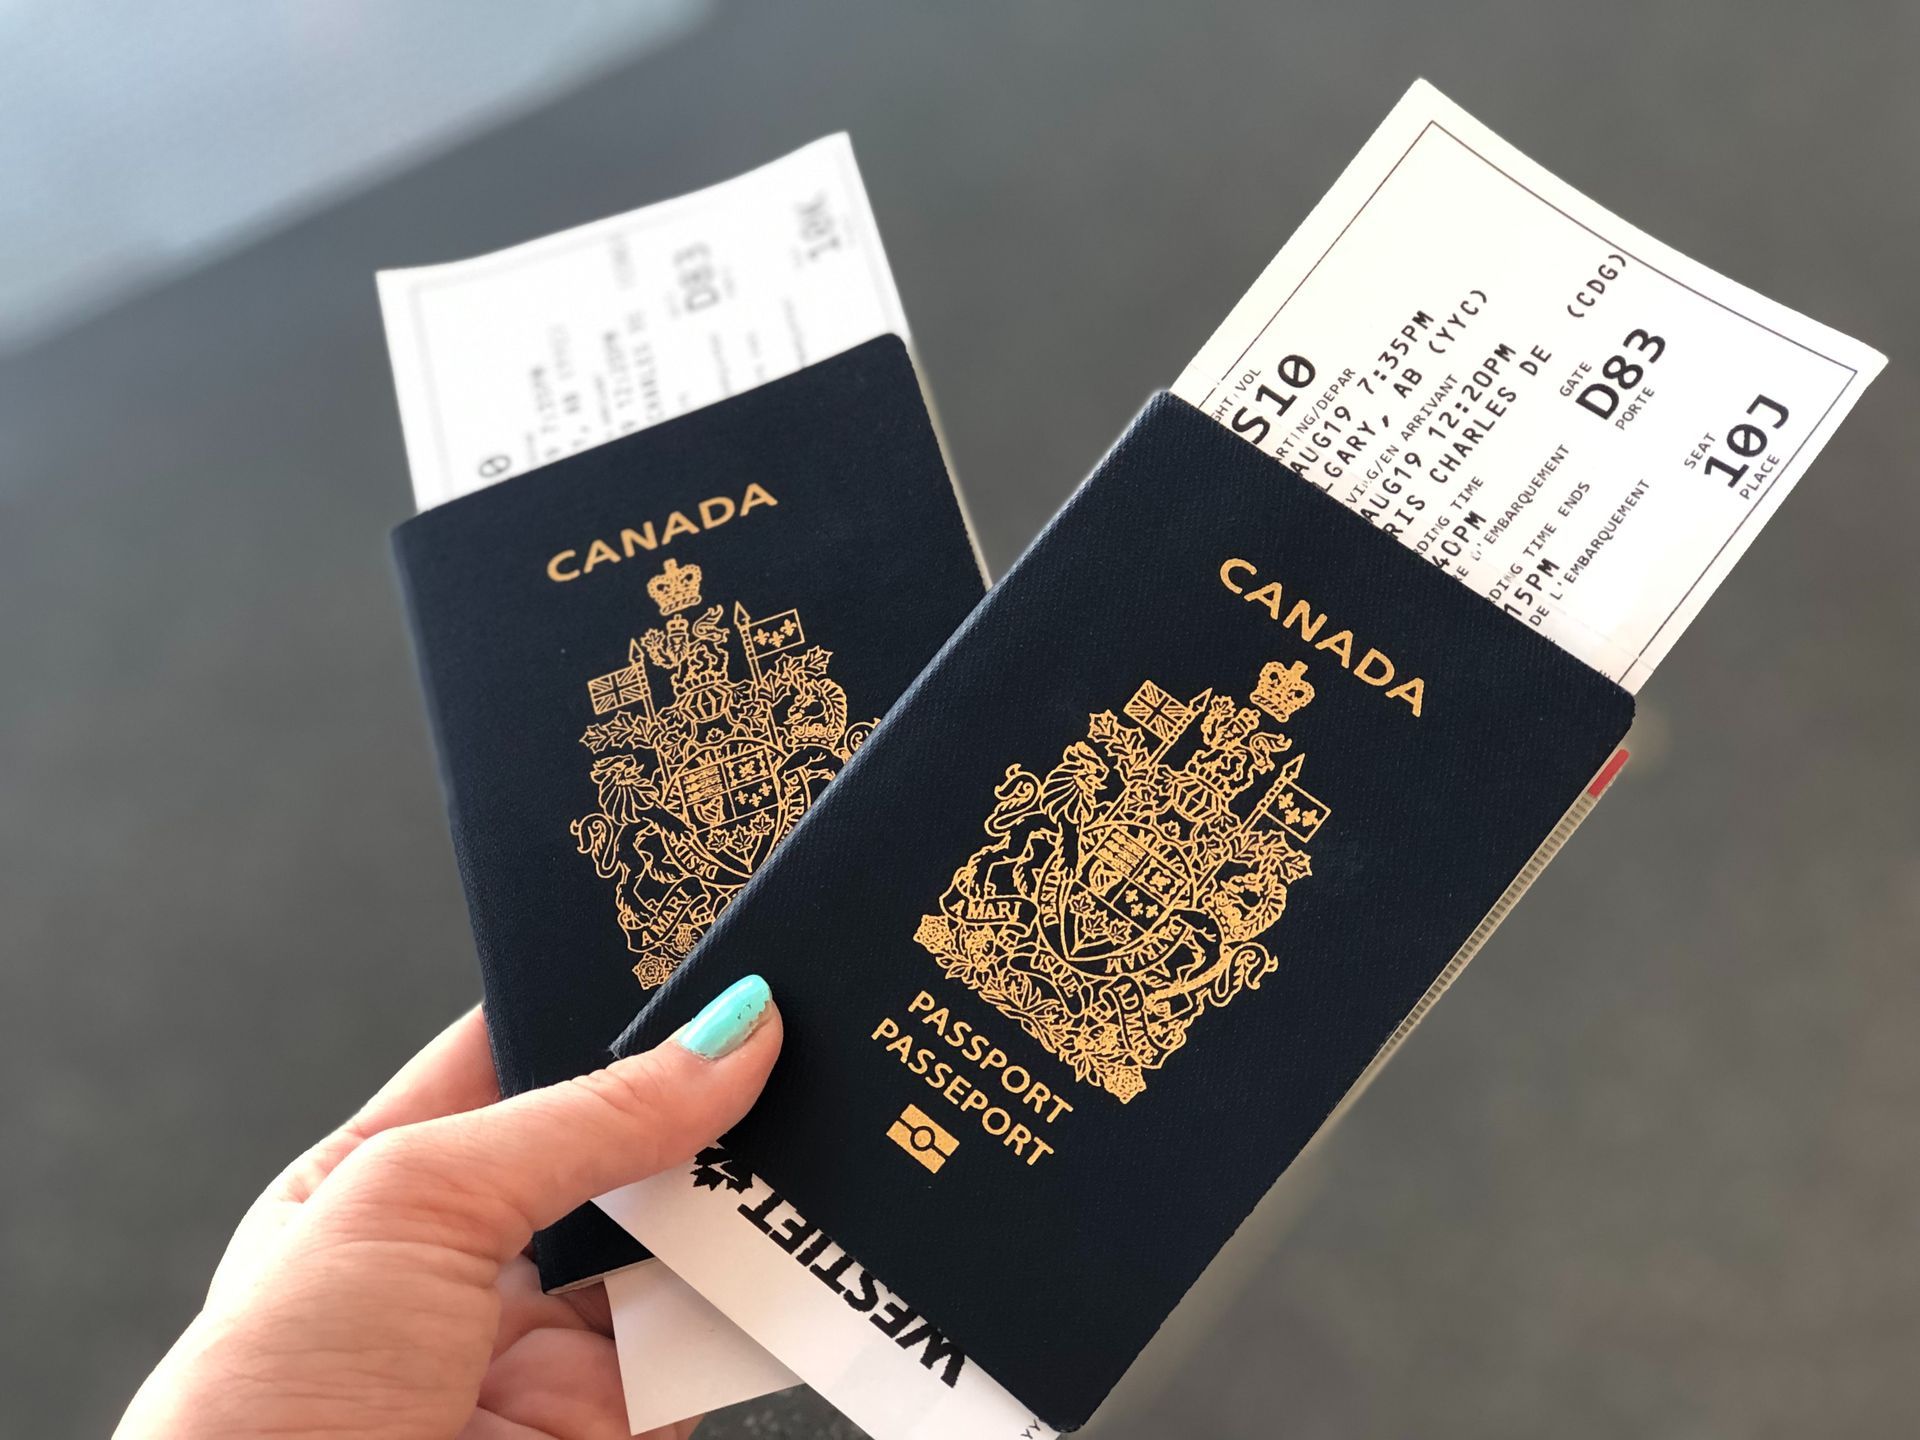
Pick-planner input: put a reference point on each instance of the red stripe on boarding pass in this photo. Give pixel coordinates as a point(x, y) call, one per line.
point(1607, 773)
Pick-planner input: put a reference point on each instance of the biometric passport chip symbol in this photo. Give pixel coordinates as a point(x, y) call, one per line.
point(1128, 890)
point(923, 1137)
point(695, 792)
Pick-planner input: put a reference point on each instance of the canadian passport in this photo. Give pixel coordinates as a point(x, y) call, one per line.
point(1161, 852)
point(644, 663)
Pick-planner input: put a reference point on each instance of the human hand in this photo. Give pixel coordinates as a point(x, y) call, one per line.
point(380, 1286)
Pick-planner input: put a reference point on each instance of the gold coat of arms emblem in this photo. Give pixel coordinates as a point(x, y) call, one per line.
point(1127, 891)
point(697, 784)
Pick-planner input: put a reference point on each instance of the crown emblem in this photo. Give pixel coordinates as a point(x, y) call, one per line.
point(675, 588)
point(1131, 888)
point(1283, 689)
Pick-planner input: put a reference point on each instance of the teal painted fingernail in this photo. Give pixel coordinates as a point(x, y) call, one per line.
point(728, 1019)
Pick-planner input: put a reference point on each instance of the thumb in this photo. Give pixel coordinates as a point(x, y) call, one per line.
point(483, 1181)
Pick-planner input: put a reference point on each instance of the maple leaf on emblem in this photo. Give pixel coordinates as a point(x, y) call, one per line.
point(714, 1167)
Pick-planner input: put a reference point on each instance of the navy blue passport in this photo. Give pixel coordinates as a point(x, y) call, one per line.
point(1128, 891)
point(644, 663)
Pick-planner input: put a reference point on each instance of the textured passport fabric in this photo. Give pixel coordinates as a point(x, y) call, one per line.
point(1134, 882)
point(643, 663)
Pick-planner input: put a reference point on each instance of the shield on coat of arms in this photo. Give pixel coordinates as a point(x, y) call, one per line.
point(729, 797)
point(1117, 905)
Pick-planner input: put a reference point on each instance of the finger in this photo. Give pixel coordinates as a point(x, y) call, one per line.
point(484, 1180)
point(559, 1382)
point(525, 1307)
point(591, 1305)
point(453, 1073)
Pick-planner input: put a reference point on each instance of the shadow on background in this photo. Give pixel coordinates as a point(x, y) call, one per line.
point(1650, 1172)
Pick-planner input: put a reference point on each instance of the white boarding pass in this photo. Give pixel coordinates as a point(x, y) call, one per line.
point(512, 360)
point(1578, 422)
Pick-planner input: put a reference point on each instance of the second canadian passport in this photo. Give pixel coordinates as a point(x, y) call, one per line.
point(644, 664)
point(1132, 887)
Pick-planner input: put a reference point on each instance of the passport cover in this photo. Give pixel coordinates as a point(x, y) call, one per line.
point(1129, 890)
point(643, 663)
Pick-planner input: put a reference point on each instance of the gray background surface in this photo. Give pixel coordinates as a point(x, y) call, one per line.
point(1653, 1168)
